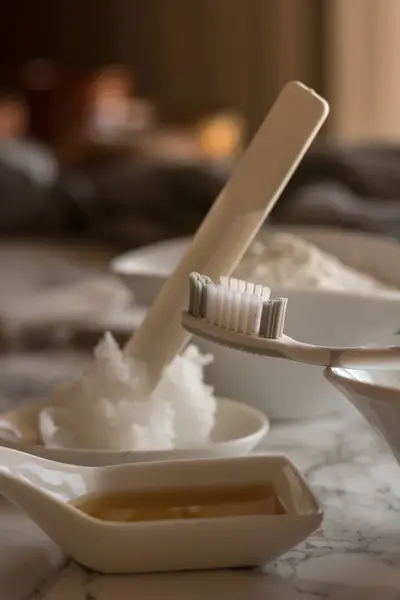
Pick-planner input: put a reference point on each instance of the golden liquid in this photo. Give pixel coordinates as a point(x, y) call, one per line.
point(189, 503)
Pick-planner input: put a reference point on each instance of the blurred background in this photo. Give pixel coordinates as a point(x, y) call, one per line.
point(120, 120)
point(207, 55)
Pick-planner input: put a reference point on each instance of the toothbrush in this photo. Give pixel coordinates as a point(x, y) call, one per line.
point(242, 316)
point(233, 221)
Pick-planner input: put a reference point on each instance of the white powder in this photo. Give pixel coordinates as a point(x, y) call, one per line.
point(289, 261)
point(108, 407)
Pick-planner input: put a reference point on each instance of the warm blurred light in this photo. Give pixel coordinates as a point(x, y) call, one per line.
point(220, 136)
point(108, 100)
point(112, 83)
point(13, 117)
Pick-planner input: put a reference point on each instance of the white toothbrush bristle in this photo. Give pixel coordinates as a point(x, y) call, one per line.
point(234, 284)
point(225, 306)
point(254, 316)
point(241, 286)
point(244, 312)
point(220, 303)
point(250, 288)
point(237, 305)
point(228, 308)
point(234, 320)
point(266, 293)
point(260, 303)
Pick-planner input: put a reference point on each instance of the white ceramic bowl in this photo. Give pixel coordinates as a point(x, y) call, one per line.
point(237, 431)
point(280, 388)
point(376, 395)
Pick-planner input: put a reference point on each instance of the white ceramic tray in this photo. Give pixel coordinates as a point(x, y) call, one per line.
point(42, 488)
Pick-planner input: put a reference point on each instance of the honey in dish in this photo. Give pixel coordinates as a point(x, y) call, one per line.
point(183, 503)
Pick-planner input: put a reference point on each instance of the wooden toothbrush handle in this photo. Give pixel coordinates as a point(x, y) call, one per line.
point(234, 219)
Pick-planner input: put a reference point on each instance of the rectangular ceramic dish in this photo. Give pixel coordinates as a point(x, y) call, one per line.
point(203, 543)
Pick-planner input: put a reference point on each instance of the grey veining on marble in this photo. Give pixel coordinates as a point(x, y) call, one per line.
point(355, 555)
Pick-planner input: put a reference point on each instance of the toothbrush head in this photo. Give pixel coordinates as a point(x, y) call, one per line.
point(238, 306)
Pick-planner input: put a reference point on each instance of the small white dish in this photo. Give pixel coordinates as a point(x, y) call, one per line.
point(376, 396)
point(44, 489)
point(237, 431)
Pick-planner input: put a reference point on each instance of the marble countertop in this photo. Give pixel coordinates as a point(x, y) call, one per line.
point(355, 555)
